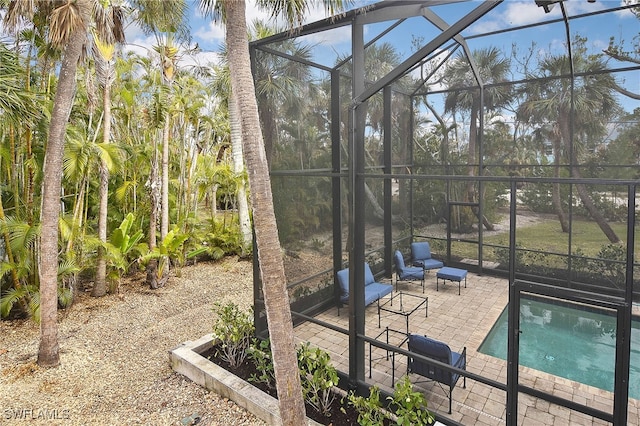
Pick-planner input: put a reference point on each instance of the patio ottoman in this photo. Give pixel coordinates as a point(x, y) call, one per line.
point(451, 274)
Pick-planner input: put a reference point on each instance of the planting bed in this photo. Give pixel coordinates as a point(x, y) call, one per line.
point(192, 360)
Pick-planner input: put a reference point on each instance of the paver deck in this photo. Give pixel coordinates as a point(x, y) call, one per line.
point(462, 321)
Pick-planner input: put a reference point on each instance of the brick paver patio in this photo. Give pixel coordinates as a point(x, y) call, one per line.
point(464, 320)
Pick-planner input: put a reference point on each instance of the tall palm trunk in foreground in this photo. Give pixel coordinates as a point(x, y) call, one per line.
point(276, 298)
point(48, 352)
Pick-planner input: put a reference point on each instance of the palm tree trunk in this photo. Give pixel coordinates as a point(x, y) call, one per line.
point(164, 206)
point(48, 351)
point(556, 200)
point(238, 168)
point(154, 197)
point(472, 161)
point(100, 283)
point(276, 297)
point(585, 197)
point(164, 221)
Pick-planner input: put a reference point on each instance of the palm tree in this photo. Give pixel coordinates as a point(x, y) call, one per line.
point(19, 108)
point(275, 293)
point(166, 21)
point(222, 84)
point(292, 410)
point(67, 28)
point(68, 24)
point(576, 112)
point(617, 50)
point(492, 68)
point(104, 53)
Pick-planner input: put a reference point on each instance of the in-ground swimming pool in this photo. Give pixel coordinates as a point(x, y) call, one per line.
point(574, 343)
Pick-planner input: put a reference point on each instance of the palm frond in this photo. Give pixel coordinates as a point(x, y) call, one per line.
point(66, 19)
point(67, 267)
point(11, 297)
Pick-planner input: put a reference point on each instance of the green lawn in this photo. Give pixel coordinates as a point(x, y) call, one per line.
point(547, 236)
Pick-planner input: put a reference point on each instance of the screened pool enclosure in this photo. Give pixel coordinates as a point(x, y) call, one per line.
point(503, 133)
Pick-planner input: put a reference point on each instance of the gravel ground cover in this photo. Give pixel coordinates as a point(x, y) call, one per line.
point(114, 366)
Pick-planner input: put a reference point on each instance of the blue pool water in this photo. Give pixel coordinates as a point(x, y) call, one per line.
point(576, 344)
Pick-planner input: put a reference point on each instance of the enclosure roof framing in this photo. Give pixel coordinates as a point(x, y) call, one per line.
point(379, 12)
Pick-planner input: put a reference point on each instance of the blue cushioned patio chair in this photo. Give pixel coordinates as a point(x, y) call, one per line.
point(421, 256)
point(407, 273)
point(434, 349)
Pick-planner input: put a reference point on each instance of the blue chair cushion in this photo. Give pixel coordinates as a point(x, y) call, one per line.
point(343, 280)
point(421, 256)
point(430, 264)
point(453, 274)
point(407, 272)
point(368, 275)
point(372, 289)
point(432, 349)
point(420, 251)
point(375, 291)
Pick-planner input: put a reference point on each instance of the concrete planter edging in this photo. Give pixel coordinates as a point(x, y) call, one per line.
point(187, 360)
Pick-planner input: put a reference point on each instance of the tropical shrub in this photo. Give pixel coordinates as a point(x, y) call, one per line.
point(260, 355)
point(318, 377)
point(122, 250)
point(610, 264)
point(233, 331)
point(409, 407)
point(223, 237)
point(20, 293)
point(167, 250)
point(370, 409)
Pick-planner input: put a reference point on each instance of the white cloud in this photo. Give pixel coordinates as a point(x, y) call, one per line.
point(201, 59)
point(517, 13)
point(627, 14)
point(140, 44)
point(212, 33)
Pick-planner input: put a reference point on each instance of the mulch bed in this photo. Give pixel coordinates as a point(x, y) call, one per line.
point(338, 417)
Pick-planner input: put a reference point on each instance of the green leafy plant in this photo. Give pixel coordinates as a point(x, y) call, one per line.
point(260, 355)
point(610, 264)
point(27, 296)
point(122, 244)
point(318, 377)
point(370, 410)
point(409, 406)
point(22, 295)
point(579, 261)
point(223, 237)
point(170, 248)
point(233, 330)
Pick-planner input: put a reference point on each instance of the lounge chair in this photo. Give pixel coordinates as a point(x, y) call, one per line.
point(421, 256)
point(439, 351)
point(407, 273)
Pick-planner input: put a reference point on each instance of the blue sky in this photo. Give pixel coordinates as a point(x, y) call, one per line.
point(511, 13)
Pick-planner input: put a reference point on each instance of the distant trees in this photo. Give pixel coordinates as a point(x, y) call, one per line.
point(577, 111)
point(75, 232)
point(465, 95)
